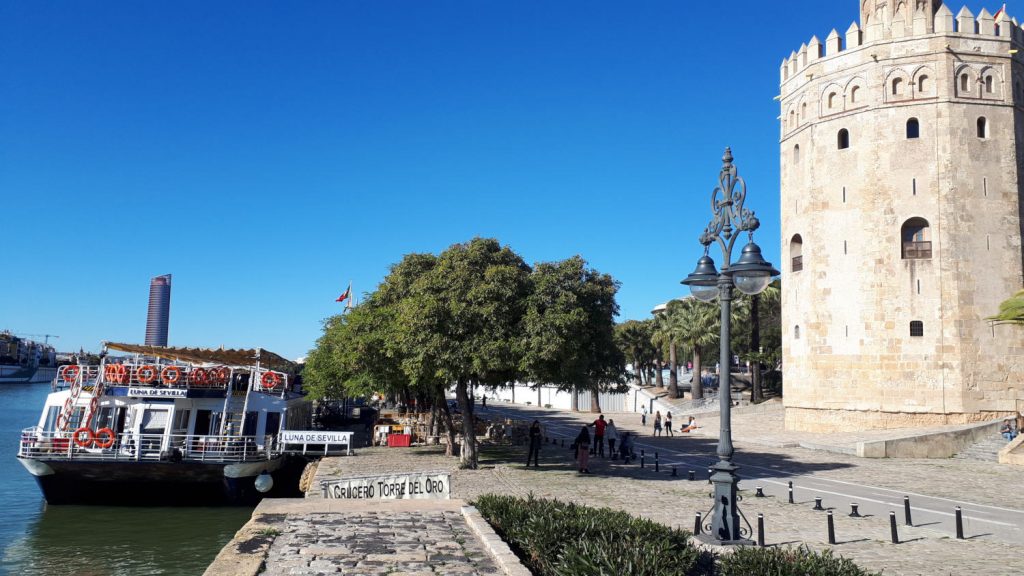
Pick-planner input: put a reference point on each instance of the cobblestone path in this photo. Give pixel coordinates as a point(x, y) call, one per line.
point(377, 544)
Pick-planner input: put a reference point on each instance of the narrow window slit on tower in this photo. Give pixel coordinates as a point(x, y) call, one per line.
point(844, 246)
point(988, 242)
point(913, 185)
point(844, 194)
point(847, 331)
point(918, 285)
point(984, 186)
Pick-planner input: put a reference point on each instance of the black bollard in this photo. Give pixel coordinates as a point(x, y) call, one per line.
point(710, 472)
point(673, 471)
point(642, 452)
point(759, 493)
point(790, 491)
point(696, 525)
point(641, 459)
point(831, 529)
point(760, 530)
point(625, 457)
point(959, 524)
point(817, 504)
point(853, 510)
point(563, 442)
point(892, 528)
point(906, 511)
point(691, 475)
point(657, 465)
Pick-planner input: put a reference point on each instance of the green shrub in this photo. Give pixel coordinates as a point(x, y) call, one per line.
point(563, 539)
point(786, 562)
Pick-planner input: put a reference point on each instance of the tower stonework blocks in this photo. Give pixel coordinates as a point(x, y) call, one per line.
point(901, 162)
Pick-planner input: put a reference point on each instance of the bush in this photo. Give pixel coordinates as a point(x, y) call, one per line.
point(563, 539)
point(787, 562)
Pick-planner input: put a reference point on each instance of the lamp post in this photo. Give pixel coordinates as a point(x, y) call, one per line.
point(750, 274)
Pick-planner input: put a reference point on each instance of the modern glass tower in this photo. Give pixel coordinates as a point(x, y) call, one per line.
point(159, 310)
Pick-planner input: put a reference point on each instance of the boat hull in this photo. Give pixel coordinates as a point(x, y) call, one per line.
point(162, 483)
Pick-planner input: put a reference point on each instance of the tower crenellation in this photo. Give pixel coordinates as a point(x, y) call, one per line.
point(901, 209)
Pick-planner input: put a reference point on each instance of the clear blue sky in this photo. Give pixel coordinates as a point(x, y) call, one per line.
point(267, 153)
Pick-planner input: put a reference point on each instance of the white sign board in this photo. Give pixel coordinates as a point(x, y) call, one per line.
point(415, 486)
point(158, 392)
point(314, 437)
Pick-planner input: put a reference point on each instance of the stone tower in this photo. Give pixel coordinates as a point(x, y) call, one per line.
point(901, 219)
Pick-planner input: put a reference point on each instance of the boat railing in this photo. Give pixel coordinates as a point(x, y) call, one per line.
point(170, 376)
point(38, 444)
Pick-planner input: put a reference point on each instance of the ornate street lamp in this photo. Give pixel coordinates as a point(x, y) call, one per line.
point(750, 274)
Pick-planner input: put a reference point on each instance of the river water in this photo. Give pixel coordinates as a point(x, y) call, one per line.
point(36, 539)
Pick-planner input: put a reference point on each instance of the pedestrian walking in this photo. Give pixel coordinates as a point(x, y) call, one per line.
point(626, 447)
point(643, 416)
point(657, 423)
point(582, 444)
point(668, 424)
point(484, 401)
point(536, 435)
point(599, 427)
point(611, 435)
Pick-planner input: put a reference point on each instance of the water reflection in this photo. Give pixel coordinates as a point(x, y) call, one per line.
point(109, 541)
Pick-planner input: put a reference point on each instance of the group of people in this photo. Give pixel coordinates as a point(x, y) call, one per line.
point(603, 432)
point(666, 424)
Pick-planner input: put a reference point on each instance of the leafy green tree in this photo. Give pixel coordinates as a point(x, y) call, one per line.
point(462, 323)
point(665, 335)
point(1011, 310)
point(570, 328)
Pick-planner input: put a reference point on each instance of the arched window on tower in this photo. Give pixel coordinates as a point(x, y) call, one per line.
point(854, 94)
point(796, 154)
point(796, 253)
point(832, 101)
point(916, 239)
point(913, 128)
point(988, 84)
point(965, 83)
point(803, 111)
point(843, 139)
point(982, 127)
point(796, 332)
point(922, 84)
point(897, 86)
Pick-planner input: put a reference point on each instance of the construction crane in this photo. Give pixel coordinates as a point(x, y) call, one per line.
point(46, 337)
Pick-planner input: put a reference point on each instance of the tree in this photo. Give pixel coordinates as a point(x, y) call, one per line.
point(697, 325)
point(666, 332)
point(1011, 310)
point(569, 328)
point(462, 323)
point(634, 340)
point(772, 297)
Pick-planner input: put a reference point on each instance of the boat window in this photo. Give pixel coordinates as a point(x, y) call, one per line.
point(181, 420)
point(77, 416)
point(273, 425)
point(249, 428)
point(51, 419)
point(202, 426)
point(154, 421)
point(104, 418)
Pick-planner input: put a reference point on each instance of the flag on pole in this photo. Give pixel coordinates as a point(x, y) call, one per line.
point(345, 296)
point(1001, 12)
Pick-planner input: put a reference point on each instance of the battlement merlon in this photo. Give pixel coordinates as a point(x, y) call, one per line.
point(930, 18)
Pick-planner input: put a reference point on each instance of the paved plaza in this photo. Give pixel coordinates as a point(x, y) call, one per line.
point(360, 541)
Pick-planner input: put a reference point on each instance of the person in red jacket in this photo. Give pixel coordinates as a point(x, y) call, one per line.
point(599, 426)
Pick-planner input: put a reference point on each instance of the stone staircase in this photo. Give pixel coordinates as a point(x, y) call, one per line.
point(986, 450)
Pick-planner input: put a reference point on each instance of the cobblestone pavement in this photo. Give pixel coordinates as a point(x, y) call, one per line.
point(674, 501)
point(377, 544)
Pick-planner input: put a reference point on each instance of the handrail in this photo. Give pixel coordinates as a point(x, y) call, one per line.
point(171, 376)
point(46, 445)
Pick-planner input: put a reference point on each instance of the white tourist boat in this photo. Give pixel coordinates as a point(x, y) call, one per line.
point(167, 426)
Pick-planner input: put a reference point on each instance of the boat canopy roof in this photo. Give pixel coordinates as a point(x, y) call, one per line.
point(230, 356)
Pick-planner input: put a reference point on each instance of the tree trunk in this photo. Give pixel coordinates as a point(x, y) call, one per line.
point(659, 380)
point(755, 344)
point(673, 375)
point(574, 402)
point(468, 455)
point(595, 401)
point(538, 395)
point(638, 373)
point(449, 426)
point(696, 386)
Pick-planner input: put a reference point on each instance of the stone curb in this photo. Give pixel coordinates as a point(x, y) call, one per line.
point(496, 547)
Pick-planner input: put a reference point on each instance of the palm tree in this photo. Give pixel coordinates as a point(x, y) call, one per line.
point(1011, 310)
point(665, 335)
point(772, 296)
point(634, 338)
point(695, 324)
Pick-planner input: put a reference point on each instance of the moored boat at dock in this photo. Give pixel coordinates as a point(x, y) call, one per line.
point(167, 426)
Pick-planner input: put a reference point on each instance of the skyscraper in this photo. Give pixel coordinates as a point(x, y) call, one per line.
point(159, 310)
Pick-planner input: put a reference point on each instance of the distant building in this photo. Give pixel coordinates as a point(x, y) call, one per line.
point(159, 310)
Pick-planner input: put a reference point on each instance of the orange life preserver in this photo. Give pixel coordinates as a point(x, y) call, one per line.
point(222, 374)
point(170, 375)
point(145, 374)
point(84, 437)
point(120, 374)
point(108, 442)
point(69, 373)
point(270, 380)
point(200, 377)
point(112, 373)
